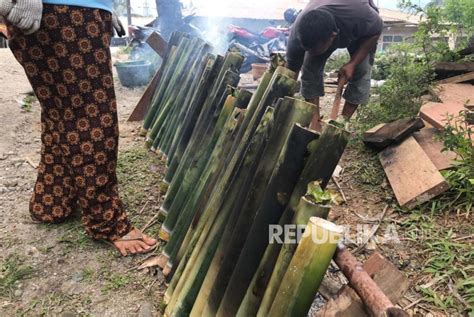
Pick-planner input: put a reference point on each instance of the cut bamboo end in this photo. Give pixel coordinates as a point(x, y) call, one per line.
point(164, 234)
point(167, 269)
point(162, 260)
point(143, 132)
point(164, 188)
point(326, 225)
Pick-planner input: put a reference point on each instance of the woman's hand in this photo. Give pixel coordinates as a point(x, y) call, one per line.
point(24, 14)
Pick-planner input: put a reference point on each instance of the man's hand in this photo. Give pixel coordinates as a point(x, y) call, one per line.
point(25, 14)
point(118, 26)
point(347, 71)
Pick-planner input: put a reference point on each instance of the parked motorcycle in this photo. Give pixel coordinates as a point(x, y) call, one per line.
point(257, 47)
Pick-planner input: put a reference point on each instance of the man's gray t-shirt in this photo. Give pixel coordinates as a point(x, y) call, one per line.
point(355, 19)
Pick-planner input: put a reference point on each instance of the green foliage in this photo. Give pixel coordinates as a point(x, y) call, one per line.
point(11, 271)
point(336, 61)
point(27, 102)
point(317, 194)
point(457, 138)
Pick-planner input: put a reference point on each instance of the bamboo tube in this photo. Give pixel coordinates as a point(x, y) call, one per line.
point(307, 268)
point(207, 240)
point(223, 79)
point(206, 83)
point(167, 61)
point(164, 83)
point(320, 166)
point(187, 122)
point(288, 112)
point(232, 127)
point(169, 92)
point(305, 210)
point(182, 186)
point(186, 83)
point(185, 216)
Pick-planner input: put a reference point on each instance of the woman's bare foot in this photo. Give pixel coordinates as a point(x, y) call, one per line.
point(134, 242)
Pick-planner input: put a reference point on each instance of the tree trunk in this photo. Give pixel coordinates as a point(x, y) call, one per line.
point(307, 268)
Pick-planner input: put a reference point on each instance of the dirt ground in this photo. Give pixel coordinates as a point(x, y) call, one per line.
point(62, 272)
point(57, 270)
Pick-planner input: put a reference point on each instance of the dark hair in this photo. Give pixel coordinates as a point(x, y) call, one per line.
point(316, 27)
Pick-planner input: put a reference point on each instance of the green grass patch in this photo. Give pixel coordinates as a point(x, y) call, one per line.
point(13, 269)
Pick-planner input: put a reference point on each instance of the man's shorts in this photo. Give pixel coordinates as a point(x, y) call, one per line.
point(312, 79)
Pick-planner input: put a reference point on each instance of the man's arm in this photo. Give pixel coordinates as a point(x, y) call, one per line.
point(347, 71)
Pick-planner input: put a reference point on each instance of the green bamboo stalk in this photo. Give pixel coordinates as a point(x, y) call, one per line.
point(157, 99)
point(307, 268)
point(180, 189)
point(305, 210)
point(215, 166)
point(187, 122)
point(166, 100)
point(207, 240)
point(186, 81)
point(165, 65)
point(195, 172)
point(288, 112)
point(231, 61)
point(254, 259)
point(205, 85)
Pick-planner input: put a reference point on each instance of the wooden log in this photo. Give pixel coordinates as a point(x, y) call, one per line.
point(437, 114)
point(320, 166)
point(347, 303)
point(305, 210)
point(412, 184)
point(283, 180)
point(427, 138)
point(392, 133)
point(288, 112)
point(206, 240)
point(307, 268)
point(376, 301)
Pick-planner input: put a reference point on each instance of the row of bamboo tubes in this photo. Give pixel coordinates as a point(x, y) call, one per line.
point(238, 162)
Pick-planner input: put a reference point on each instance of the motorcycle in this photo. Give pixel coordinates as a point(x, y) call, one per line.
point(257, 47)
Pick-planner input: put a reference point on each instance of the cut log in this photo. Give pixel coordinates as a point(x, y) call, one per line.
point(392, 133)
point(464, 67)
point(457, 79)
point(305, 210)
point(388, 278)
point(373, 297)
point(427, 139)
point(412, 183)
point(307, 268)
point(460, 93)
point(436, 114)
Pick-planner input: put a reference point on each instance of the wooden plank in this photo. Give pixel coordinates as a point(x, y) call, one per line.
point(457, 79)
point(426, 138)
point(454, 67)
point(436, 113)
point(157, 43)
point(142, 105)
point(390, 280)
point(412, 175)
point(460, 93)
point(392, 133)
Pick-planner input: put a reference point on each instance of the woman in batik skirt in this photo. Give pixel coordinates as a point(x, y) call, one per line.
point(63, 45)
